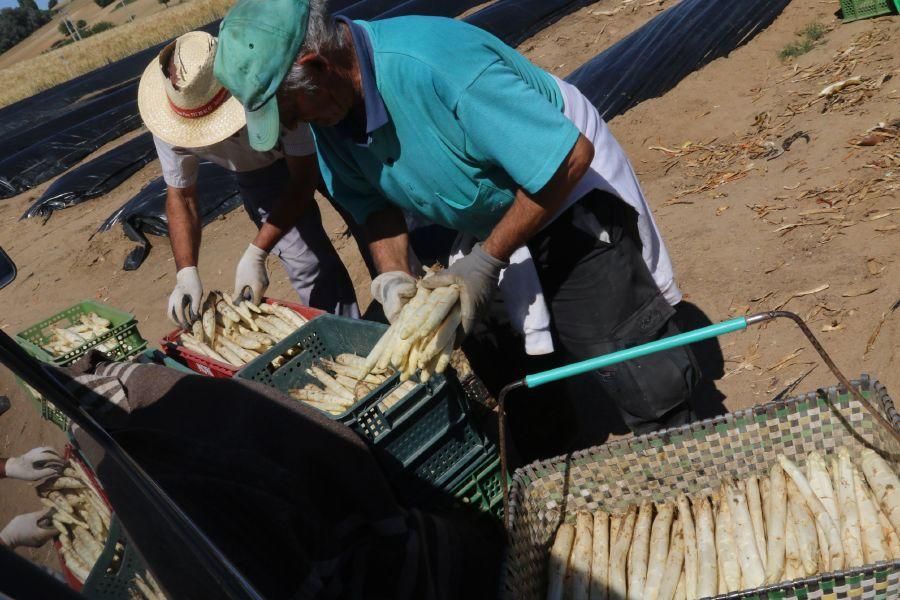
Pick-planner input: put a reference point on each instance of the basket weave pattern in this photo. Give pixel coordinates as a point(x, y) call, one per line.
point(694, 459)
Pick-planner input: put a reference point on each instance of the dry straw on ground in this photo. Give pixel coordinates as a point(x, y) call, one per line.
point(47, 70)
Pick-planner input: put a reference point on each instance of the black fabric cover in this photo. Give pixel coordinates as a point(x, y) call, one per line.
point(53, 155)
point(146, 212)
point(675, 43)
point(94, 178)
point(514, 21)
point(430, 8)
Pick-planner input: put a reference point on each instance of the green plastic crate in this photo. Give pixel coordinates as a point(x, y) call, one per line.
point(113, 583)
point(483, 489)
point(123, 331)
point(854, 10)
point(425, 441)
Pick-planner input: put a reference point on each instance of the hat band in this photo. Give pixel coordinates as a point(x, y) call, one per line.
point(201, 111)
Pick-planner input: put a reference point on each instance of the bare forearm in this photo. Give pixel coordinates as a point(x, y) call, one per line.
point(388, 241)
point(296, 198)
point(529, 213)
point(184, 225)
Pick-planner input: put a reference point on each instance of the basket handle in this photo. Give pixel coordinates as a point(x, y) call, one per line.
point(675, 341)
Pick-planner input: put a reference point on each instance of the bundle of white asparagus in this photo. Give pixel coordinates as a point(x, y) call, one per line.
point(789, 524)
point(65, 339)
point(235, 334)
point(144, 587)
point(421, 339)
point(341, 385)
point(82, 519)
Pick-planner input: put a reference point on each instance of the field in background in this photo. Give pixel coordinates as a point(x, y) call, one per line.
point(33, 75)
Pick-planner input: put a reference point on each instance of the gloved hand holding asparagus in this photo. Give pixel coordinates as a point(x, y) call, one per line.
point(422, 337)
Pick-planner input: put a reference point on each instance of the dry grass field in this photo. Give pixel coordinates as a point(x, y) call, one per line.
point(30, 76)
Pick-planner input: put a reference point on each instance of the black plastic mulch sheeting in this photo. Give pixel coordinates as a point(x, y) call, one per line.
point(50, 157)
point(675, 43)
point(430, 8)
point(95, 178)
point(146, 212)
point(514, 21)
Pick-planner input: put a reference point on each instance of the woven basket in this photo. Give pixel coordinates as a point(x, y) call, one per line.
point(693, 459)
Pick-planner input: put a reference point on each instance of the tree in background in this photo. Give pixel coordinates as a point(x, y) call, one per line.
point(16, 24)
point(51, 4)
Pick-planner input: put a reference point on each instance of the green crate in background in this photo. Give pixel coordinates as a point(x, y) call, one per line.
point(123, 331)
point(106, 582)
point(854, 10)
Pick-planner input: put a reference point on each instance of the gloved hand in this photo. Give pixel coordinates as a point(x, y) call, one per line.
point(393, 290)
point(184, 303)
point(35, 464)
point(31, 529)
point(251, 279)
point(477, 275)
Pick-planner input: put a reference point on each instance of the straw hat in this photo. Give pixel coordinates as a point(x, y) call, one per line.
point(195, 111)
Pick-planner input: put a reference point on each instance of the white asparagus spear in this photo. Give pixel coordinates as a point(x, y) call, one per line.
point(680, 593)
point(330, 383)
point(849, 510)
point(776, 522)
point(350, 360)
point(708, 573)
point(226, 353)
point(615, 523)
point(289, 316)
point(890, 535)
point(821, 485)
point(754, 504)
point(793, 564)
point(618, 578)
point(659, 549)
point(884, 482)
point(579, 580)
point(729, 563)
point(674, 562)
point(639, 552)
point(752, 572)
point(805, 531)
point(559, 561)
point(242, 353)
point(690, 546)
point(875, 547)
point(600, 558)
point(832, 534)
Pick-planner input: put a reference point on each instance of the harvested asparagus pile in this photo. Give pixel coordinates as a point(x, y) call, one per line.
point(81, 517)
point(341, 385)
point(835, 515)
point(144, 587)
point(235, 334)
point(89, 327)
point(422, 337)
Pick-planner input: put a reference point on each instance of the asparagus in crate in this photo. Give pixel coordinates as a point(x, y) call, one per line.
point(66, 339)
point(340, 384)
point(787, 524)
point(235, 334)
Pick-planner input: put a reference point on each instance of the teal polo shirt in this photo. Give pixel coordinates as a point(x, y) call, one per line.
point(467, 121)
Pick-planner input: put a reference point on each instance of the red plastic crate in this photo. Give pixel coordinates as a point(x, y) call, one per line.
point(209, 366)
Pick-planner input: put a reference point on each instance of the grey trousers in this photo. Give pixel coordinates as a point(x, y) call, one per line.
point(312, 264)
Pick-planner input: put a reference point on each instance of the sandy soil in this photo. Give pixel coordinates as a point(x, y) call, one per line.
point(749, 228)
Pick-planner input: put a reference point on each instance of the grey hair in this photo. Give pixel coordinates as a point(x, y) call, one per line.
point(323, 36)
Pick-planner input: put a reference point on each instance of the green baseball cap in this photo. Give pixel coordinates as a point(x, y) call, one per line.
point(258, 42)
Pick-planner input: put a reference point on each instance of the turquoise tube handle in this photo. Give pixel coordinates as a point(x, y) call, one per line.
point(599, 362)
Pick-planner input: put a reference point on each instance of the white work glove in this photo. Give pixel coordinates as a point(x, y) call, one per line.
point(184, 303)
point(251, 279)
point(393, 290)
point(477, 275)
point(35, 464)
point(31, 529)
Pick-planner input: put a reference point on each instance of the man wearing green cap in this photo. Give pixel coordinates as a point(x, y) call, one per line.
point(440, 119)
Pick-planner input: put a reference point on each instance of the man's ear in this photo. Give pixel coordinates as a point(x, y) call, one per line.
point(313, 61)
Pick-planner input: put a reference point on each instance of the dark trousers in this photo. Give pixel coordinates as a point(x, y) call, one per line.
point(602, 298)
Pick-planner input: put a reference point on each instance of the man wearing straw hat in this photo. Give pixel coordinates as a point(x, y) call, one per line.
point(193, 118)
